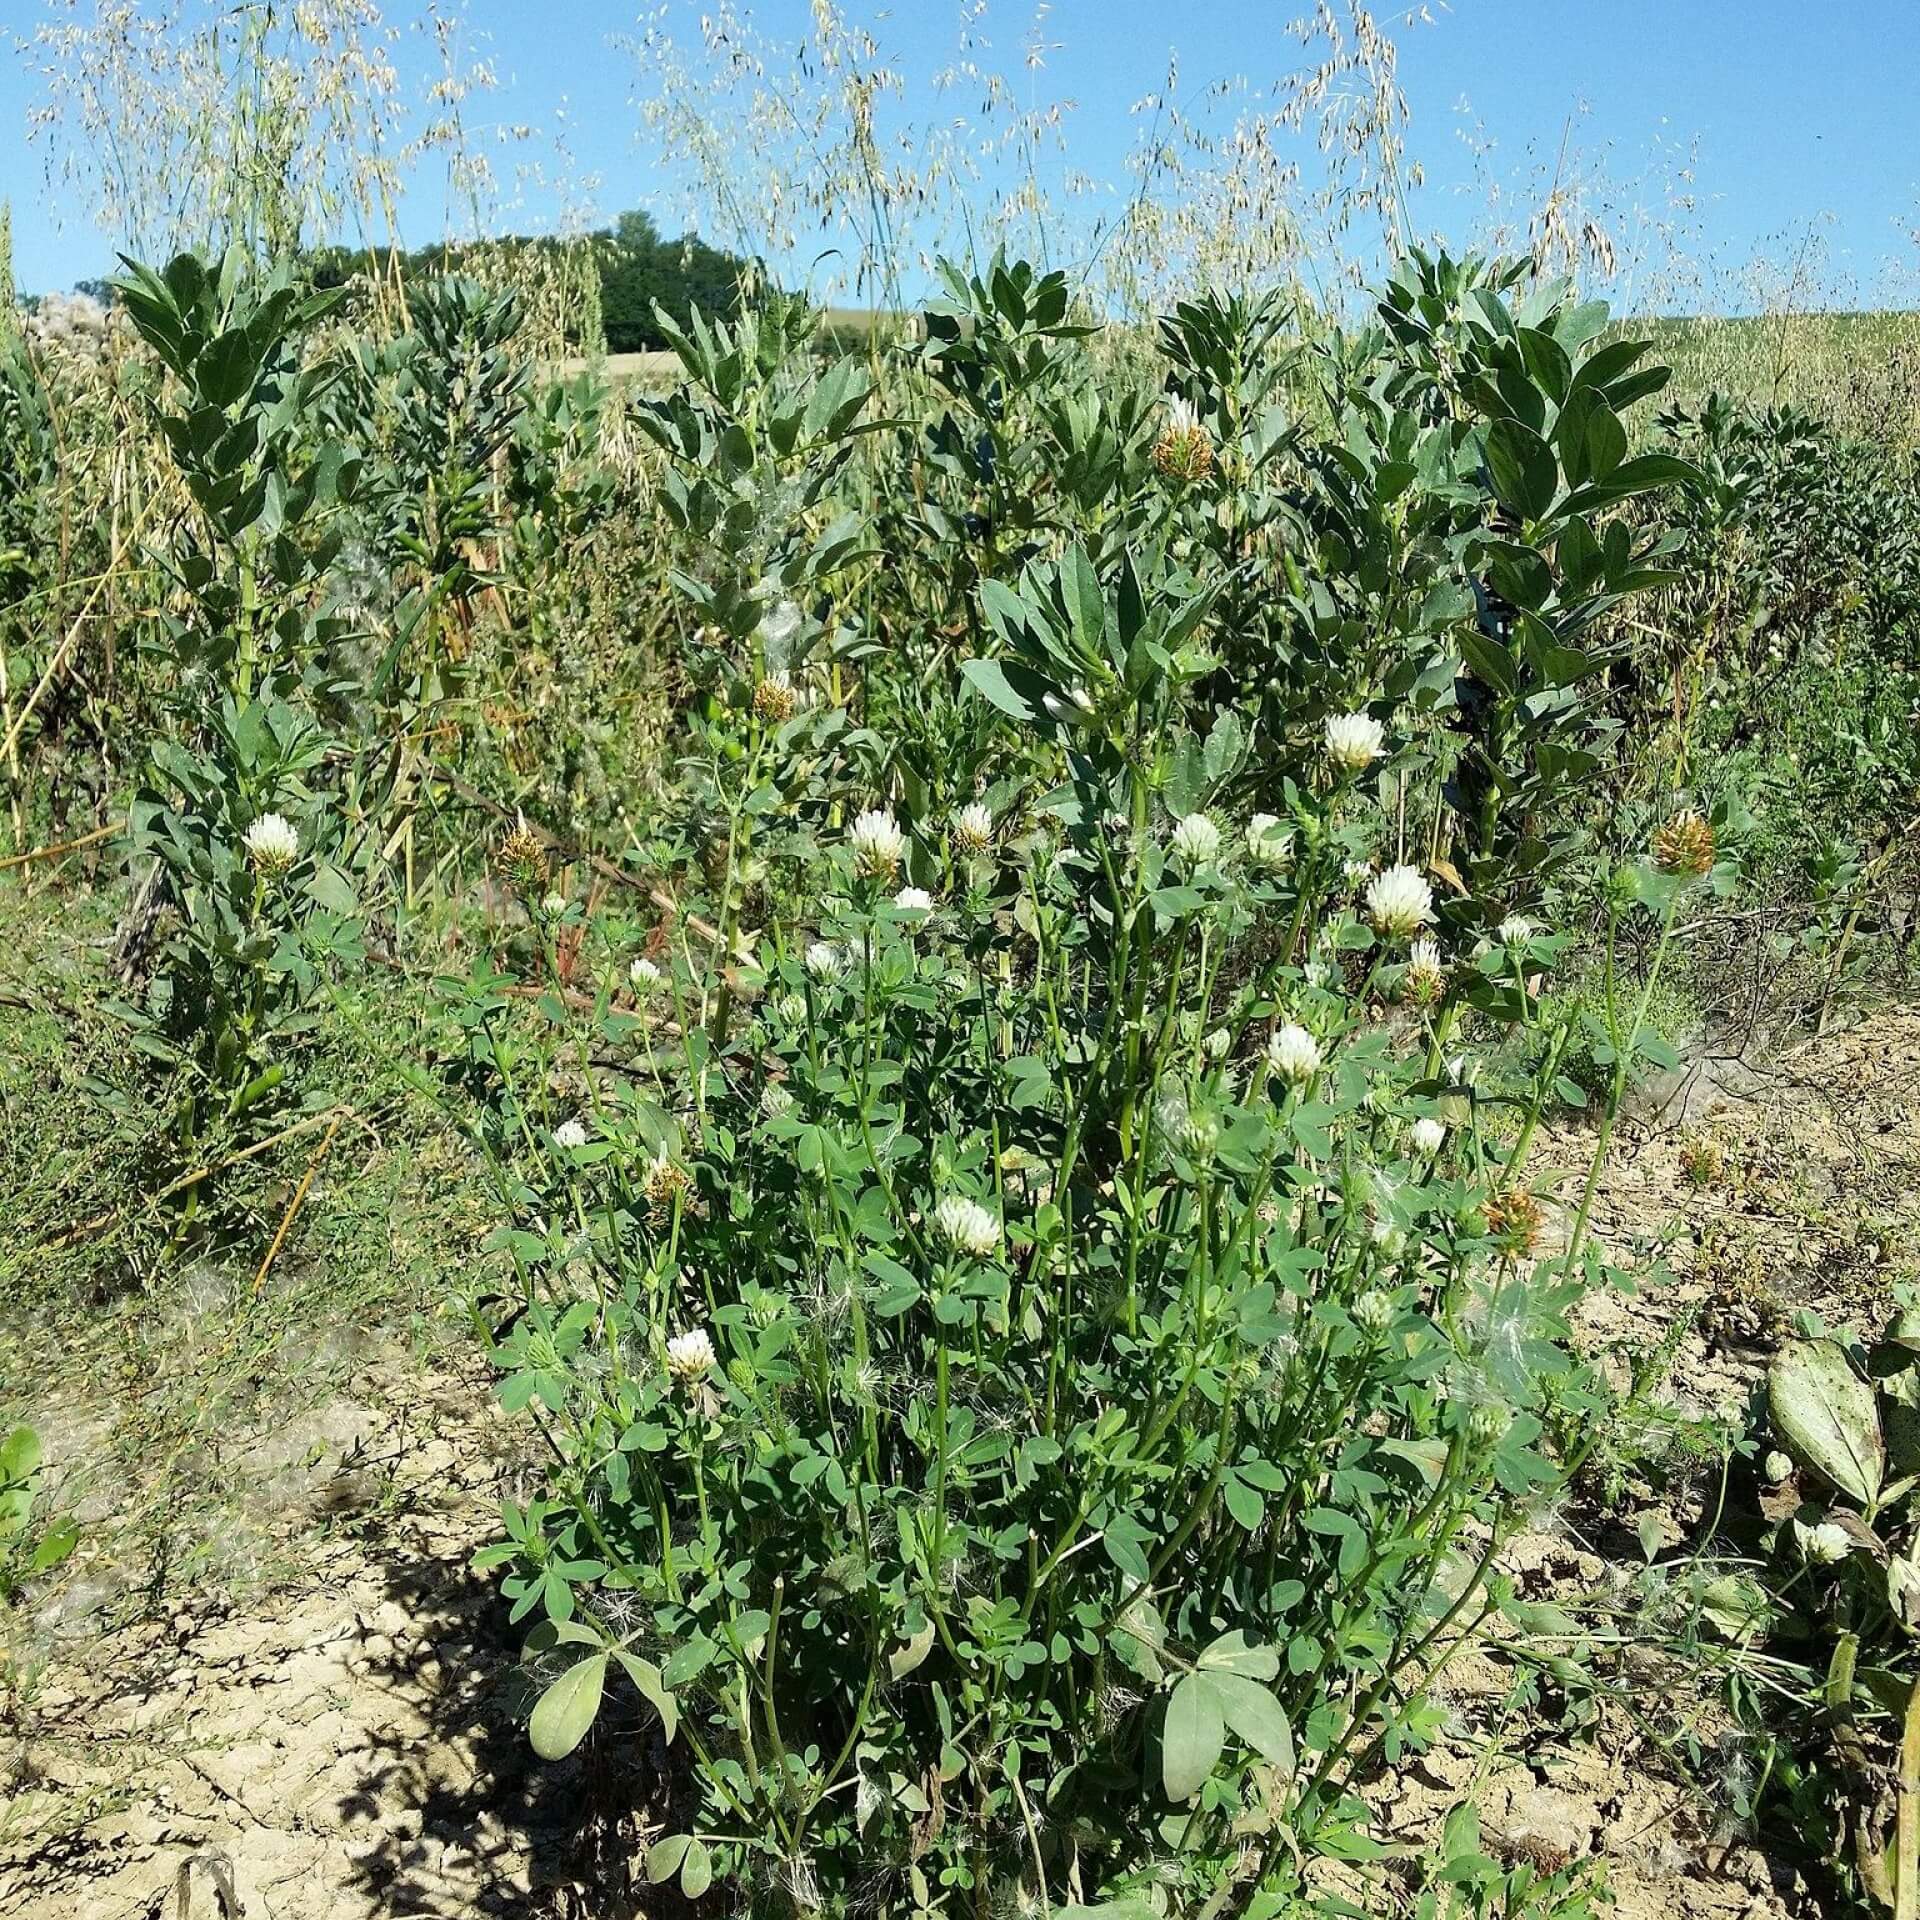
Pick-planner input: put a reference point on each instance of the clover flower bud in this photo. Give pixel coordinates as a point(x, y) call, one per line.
point(1429, 1136)
point(1426, 978)
point(1515, 930)
point(914, 900)
point(644, 977)
point(1487, 1423)
point(1200, 1134)
point(1777, 1467)
point(1374, 1311)
point(775, 1101)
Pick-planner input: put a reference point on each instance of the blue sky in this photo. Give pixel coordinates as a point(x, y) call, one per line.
point(1800, 114)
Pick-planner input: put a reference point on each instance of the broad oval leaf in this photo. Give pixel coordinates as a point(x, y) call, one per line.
point(1256, 1716)
point(565, 1711)
point(1829, 1417)
point(1194, 1733)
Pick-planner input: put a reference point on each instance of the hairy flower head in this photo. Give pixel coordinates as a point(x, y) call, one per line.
point(690, 1355)
point(877, 843)
point(972, 830)
point(1684, 847)
point(1196, 840)
point(1354, 741)
point(273, 843)
point(1399, 902)
point(966, 1225)
point(1293, 1053)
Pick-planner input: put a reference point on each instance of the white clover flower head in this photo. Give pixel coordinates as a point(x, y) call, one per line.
point(824, 960)
point(690, 1355)
point(273, 843)
point(1293, 1053)
point(554, 903)
point(966, 1226)
point(1196, 840)
point(877, 843)
point(1374, 1311)
point(1515, 930)
point(1777, 1467)
point(1269, 844)
point(1826, 1545)
point(775, 1100)
point(569, 1134)
point(643, 976)
point(1182, 416)
point(1317, 973)
point(1426, 975)
point(1429, 1136)
point(1216, 1043)
point(1354, 741)
point(1356, 872)
point(972, 830)
point(913, 900)
point(1399, 902)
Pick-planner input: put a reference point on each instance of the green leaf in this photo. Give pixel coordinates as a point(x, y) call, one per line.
point(20, 1454)
point(566, 1710)
point(1194, 1733)
point(689, 1660)
point(905, 1658)
point(1828, 1416)
point(664, 1857)
point(1256, 1716)
point(696, 1870)
point(1522, 469)
point(329, 888)
point(1014, 689)
point(1231, 1654)
point(646, 1676)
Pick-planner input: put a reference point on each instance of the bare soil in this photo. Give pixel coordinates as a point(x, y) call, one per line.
point(348, 1742)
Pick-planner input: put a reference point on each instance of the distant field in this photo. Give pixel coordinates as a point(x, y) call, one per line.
point(1860, 369)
